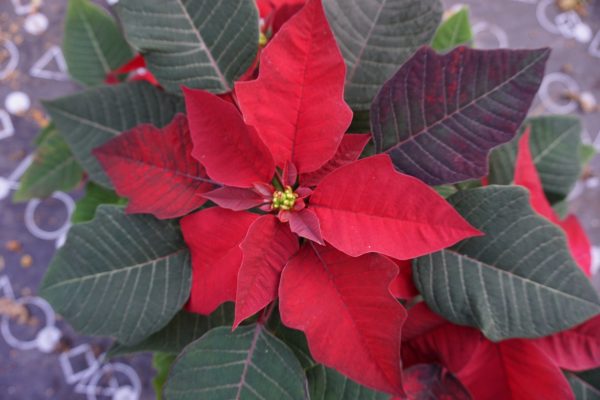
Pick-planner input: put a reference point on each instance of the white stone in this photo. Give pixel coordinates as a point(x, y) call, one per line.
point(582, 33)
point(36, 24)
point(4, 188)
point(112, 2)
point(47, 339)
point(17, 103)
point(124, 393)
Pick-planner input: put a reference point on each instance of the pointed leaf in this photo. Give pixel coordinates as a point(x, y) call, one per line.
point(579, 243)
point(518, 280)
point(93, 44)
point(248, 363)
point(130, 262)
point(349, 150)
point(377, 37)
point(181, 331)
point(576, 349)
point(266, 249)
point(324, 292)
point(95, 195)
point(213, 236)
point(305, 223)
point(328, 384)
point(297, 103)
point(53, 169)
point(454, 31)
point(155, 170)
point(368, 207)
point(555, 142)
point(516, 370)
point(89, 119)
point(231, 151)
point(526, 175)
point(431, 381)
point(236, 199)
point(582, 389)
point(161, 362)
point(425, 116)
point(203, 44)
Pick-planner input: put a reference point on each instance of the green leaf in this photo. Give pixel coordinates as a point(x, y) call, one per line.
point(249, 363)
point(591, 376)
point(327, 384)
point(120, 275)
point(376, 38)
point(518, 280)
point(454, 31)
point(181, 331)
point(555, 142)
point(93, 45)
point(162, 363)
point(582, 389)
point(446, 190)
point(202, 44)
point(588, 152)
point(43, 134)
point(53, 169)
point(85, 208)
point(89, 119)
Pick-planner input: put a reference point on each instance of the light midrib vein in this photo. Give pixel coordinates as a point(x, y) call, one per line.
point(116, 271)
point(460, 110)
point(211, 58)
point(527, 280)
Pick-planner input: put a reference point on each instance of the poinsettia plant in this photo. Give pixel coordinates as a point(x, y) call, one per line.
point(237, 216)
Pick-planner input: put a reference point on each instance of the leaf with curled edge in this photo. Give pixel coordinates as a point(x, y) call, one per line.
point(202, 44)
point(249, 363)
point(518, 280)
point(376, 37)
point(439, 116)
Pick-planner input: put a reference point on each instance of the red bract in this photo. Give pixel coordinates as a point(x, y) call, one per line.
point(155, 170)
point(526, 175)
point(135, 70)
point(513, 369)
point(333, 298)
point(286, 153)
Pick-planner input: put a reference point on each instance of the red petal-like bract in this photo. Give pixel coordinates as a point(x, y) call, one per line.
point(579, 243)
point(514, 369)
point(427, 338)
point(403, 287)
point(350, 149)
point(266, 250)
point(344, 307)
point(232, 152)
point(305, 223)
point(214, 236)
point(367, 206)
point(577, 349)
point(526, 175)
point(297, 103)
point(155, 170)
point(236, 199)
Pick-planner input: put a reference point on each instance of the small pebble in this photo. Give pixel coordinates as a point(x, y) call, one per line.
point(17, 103)
point(26, 261)
point(36, 23)
point(13, 245)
